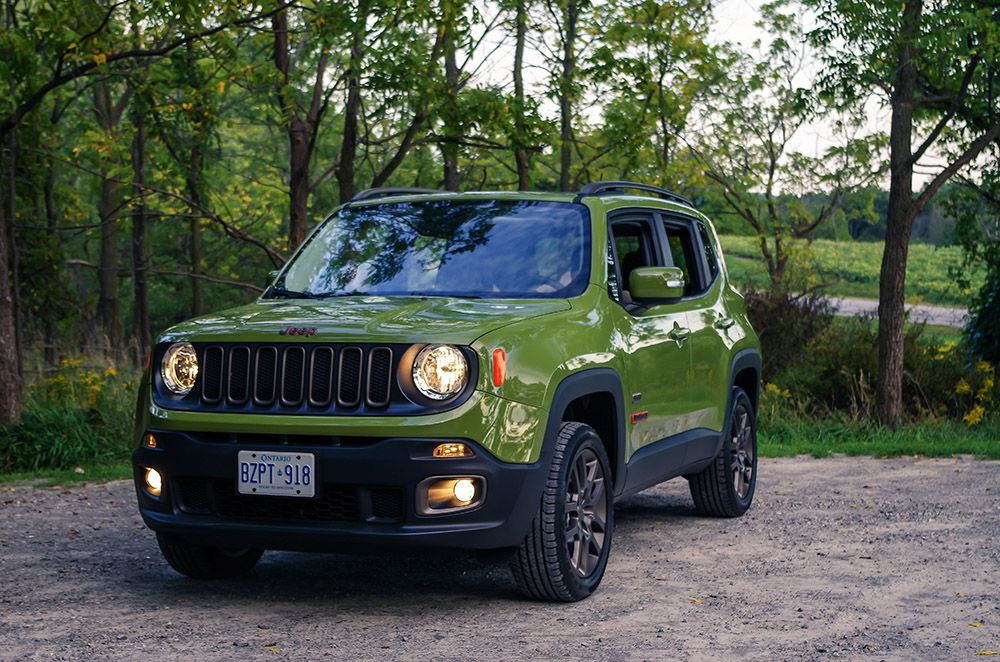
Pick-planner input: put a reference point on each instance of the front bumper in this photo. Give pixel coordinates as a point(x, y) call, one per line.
point(365, 494)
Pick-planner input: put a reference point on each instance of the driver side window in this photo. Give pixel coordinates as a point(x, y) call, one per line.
point(632, 243)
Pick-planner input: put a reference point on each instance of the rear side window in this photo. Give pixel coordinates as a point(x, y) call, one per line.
point(710, 257)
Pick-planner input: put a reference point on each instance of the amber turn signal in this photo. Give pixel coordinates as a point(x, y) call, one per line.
point(452, 449)
point(149, 441)
point(499, 366)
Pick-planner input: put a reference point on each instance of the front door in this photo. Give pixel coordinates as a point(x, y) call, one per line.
point(659, 379)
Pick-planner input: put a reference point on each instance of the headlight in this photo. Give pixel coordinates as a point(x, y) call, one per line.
point(180, 368)
point(440, 372)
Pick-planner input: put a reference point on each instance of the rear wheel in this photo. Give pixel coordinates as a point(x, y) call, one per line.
point(726, 487)
point(564, 555)
point(204, 562)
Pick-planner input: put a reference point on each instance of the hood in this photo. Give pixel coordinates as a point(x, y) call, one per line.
point(364, 319)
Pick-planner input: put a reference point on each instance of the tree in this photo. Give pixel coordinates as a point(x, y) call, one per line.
point(301, 117)
point(933, 64)
point(753, 112)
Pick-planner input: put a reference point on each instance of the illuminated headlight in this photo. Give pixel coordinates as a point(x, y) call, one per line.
point(180, 368)
point(440, 372)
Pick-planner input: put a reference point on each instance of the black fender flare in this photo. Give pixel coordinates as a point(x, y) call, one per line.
point(745, 358)
point(587, 382)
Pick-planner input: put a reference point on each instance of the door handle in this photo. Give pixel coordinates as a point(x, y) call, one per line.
point(679, 333)
point(724, 322)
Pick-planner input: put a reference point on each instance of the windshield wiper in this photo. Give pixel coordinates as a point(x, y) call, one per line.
point(349, 293)
point(282, 291)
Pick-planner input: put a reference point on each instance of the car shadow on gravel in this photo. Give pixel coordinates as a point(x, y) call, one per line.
point(389, 575)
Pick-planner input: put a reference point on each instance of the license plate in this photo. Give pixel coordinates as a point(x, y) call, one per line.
point(276, 473)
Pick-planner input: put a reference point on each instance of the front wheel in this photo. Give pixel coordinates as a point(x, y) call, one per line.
point(563, 557)
point(725, 488)
point(204, 562)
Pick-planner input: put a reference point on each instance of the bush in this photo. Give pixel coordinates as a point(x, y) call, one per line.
point(836, 376)
point(80, 415)
point(786, 326)
point(984, 327)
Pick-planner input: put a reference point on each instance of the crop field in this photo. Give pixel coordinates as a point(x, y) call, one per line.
point(852, 269)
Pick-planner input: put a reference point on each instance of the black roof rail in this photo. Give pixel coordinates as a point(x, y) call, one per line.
point(598, 188)
point(372, 193)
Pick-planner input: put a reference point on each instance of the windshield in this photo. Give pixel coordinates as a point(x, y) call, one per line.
point(484, 248)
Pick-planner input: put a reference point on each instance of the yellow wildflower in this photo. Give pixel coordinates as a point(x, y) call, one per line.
point(962, 387)
point(110, 372)
point(984, 367)
point(975, 415)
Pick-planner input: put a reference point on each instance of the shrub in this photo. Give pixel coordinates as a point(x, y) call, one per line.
point(837, 374)
point(786, 325)
point(79, 415)
point(984, 327)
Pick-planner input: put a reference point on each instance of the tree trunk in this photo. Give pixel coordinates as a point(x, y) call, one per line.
point(300, 133)
point(10, 360)
point(349, 144)
point(140, 262)
point(522, 158)
point(50, 352)
point(566, 81)
point(194, 192)
point(452, 132)
point(892, 281)
point(15, 259)
point(108, 205)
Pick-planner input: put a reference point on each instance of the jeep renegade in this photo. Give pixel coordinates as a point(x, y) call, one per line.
point(474, 370)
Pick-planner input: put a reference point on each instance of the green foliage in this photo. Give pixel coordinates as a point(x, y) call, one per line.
point(787, 437)
point(851, 268)
point(78, 416)
point(834, 377)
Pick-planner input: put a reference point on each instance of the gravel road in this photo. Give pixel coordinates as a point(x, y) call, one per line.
point(848, 558)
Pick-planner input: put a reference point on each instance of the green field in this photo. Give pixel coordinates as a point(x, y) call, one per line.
point(852, 269)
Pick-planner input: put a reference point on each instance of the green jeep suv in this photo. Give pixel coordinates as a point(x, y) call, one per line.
point(474, 370)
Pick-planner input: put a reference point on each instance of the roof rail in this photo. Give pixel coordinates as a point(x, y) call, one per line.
point(372, 193)
point(598, 188)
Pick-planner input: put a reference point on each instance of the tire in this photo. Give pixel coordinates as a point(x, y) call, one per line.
point(544, 566)
point(725, 488)
point(203, 562)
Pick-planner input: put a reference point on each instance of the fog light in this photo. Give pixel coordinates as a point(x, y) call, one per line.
point(452, 450)
point(445, 494)
point(465, 490)
point(154, 483)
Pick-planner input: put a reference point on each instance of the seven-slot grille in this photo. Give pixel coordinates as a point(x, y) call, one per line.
point(289, 376)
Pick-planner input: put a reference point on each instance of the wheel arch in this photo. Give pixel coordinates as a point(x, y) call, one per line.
point(595, 397)
point(744, 372)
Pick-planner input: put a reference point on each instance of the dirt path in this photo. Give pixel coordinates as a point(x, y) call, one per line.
point(840, 558)
point(919, 312)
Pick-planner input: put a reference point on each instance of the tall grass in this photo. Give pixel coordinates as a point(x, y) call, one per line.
point(82, 415)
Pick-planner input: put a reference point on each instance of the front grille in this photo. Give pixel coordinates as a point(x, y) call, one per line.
point(387, 503)
point(293, 378)
point(333, 503)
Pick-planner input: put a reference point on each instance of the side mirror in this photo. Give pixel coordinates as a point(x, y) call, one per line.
point(271, 275)
point(656, 283)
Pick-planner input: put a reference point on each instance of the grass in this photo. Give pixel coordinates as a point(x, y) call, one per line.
point(101, 473)
point(853, 269)
point(822, 438)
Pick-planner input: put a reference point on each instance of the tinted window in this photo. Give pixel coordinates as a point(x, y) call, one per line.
point(488, 248)
point(633, 247)
point(706, 242)
point(681, 244)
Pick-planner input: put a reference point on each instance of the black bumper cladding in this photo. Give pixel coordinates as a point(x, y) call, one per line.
point(365, 494)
